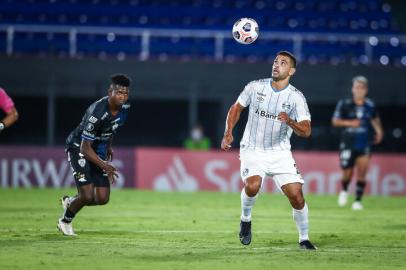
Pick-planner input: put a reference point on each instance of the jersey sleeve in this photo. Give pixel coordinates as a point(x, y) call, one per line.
point(91, 124)
point(6, 103)
point(338, 112)
point(302, 112)
point(245, 97)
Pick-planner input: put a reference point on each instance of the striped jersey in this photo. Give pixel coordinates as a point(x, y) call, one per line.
point(263, 130)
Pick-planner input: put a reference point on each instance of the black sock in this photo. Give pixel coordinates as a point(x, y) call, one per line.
point(359, 190)
point(345, 185)
point(68, 216)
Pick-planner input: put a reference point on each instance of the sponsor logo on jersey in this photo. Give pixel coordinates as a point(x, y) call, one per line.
point(260, 99)
point(261, 94)
point(92, 119)
point(104, 115)
point(265, 114)
point(245, 172)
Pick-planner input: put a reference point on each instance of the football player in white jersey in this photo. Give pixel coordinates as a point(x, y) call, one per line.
point(276, 109)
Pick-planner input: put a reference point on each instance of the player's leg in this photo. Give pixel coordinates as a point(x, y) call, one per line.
point(84, 197)
point(347, 161)
point(345, 182)
point(361, 164)
point(85, 187)
point(101, 195)
point(294, 193)
point(102, 186)
point(252, 177)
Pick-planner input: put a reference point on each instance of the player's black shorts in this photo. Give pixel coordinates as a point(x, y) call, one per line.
point(348, 156)
point(85, 172)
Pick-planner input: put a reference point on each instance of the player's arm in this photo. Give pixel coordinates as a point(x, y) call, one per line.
point(302, 128)
point(10, 119)
point(110, 150)
point(233, 116)
point(301, 122)
point(339, 122)
point(377, 125)
point(87, 150)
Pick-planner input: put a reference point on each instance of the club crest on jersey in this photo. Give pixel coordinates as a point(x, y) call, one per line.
point(245, 172)
point(286, 106)
point(82, 162)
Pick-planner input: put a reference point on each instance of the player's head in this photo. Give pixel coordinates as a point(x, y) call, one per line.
point(359, 87)
point(119, 89)
point(284, 66)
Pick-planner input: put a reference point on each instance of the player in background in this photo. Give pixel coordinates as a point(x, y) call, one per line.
point(356, 115)
point(7, 106)
point(89, 149)
point(276, 109)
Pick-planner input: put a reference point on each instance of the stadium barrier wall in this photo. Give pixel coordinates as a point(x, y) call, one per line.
point(172, 169)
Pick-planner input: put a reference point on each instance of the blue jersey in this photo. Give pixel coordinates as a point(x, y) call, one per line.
point(360, 137)
point(98, 125)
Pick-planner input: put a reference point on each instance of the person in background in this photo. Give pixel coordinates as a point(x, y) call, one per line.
point(7, 105)
point(359, 118)
point(197, 140)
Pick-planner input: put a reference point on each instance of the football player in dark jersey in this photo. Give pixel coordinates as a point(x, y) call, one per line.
point(89, 149)
point(359, 119)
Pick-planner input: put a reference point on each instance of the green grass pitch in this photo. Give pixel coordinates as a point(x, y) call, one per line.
point(149, 230)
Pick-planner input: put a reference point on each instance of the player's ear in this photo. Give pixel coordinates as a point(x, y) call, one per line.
point(292, 71)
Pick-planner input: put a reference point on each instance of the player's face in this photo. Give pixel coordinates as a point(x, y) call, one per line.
point(282, 68)
point(119, 95)
point(359, 90)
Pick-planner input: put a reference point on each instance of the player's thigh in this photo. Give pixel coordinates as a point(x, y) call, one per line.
point(347, 158)
point(99, 177)
point(102, 195)
point(284, 170)
point(80, 168)
point(251, 166)
point(362, 163)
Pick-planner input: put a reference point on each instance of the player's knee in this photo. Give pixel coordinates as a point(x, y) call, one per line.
point(297, 201)
point(103, 200)
point(252, 188)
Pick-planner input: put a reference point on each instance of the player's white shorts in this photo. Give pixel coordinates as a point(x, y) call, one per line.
point(280, 165)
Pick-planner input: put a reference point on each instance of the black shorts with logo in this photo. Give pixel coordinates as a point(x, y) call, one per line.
point(348, 156)
point(85, 172)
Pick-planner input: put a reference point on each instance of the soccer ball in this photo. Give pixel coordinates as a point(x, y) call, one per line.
point(245, 30)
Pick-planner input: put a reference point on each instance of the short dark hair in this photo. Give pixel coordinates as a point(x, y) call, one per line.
point(120, 79)
point(290, 55)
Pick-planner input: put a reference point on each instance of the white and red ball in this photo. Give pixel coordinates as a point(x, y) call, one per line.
point(245, 30)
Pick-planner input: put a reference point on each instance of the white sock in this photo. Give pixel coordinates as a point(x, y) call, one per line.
point(301, 218)
point(246, 205)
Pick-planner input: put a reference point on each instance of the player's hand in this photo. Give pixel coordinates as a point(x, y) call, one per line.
point(354, 123)
point(110, 154)
point(284, 117)
point(111, 172)
point(227, 141)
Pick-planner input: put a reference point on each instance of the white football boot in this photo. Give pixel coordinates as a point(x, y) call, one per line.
point(357, 205)
point(343, 198)
point(65, 228)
